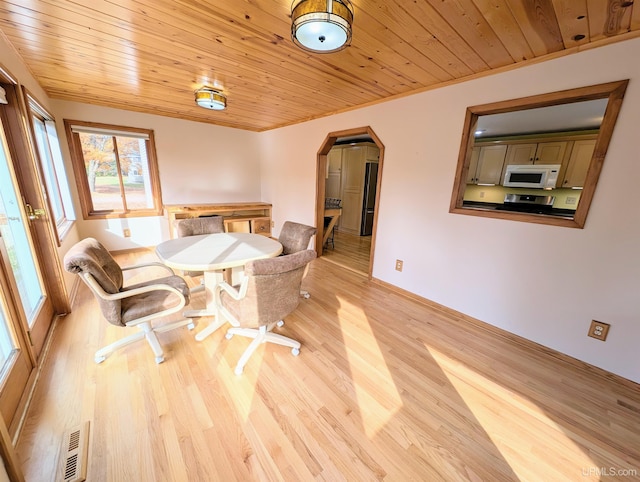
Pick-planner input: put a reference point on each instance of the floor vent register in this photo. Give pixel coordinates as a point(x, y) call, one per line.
point(74, 455)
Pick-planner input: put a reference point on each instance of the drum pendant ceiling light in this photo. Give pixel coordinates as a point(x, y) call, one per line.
point(211, 98)
point(321, 26)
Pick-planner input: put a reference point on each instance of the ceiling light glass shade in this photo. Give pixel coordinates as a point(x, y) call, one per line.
point(322, 26)
point(211, 98)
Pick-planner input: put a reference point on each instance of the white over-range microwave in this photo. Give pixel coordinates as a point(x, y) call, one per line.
point(539, 176)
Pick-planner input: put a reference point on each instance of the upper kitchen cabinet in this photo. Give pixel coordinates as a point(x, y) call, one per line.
point(536, 153)
point(578, 164)
point(550, 152)
point(486, 164)
point(334, 173)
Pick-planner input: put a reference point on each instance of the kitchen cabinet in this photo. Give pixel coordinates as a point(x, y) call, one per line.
point(578, 164)
point(486, 164)
point(334, 173)
point(537, 153)
point(550, 152)
point(354, 159)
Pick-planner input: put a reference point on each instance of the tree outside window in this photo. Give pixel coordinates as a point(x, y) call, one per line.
point(116, 169)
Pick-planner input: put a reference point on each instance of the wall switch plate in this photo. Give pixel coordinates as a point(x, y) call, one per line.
point(598, 330)
point(399, 264)
point(126, 232)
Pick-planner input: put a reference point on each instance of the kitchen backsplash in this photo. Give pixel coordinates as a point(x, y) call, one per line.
point(564, 198)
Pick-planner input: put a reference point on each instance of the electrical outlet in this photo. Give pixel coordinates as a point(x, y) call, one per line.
point(126, 232)
point(399, 264)
point(571, 199)
point(598, 330)
point(481, 194)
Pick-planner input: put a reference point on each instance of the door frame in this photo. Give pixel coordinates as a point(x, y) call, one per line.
point(26, 166)
point(321, 168)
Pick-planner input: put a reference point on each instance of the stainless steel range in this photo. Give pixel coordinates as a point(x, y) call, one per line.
point(528, 203)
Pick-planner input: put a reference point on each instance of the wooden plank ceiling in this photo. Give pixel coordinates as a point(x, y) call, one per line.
point(150, 55)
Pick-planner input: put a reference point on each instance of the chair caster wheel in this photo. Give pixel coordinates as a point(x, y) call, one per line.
point(159, 359)
point(280, 323)
point(99, 359)
point(191, 326)
point(228, 336)
point(306, 296)
point(295, 351)
point(238, 370)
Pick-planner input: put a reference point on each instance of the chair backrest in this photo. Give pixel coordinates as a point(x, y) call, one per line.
point(90, 257)
point(273, 289)
point(295, 237)
point(202, 225)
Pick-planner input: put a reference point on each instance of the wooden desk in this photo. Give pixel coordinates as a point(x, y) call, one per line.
point(334, 214)
point(213, 253)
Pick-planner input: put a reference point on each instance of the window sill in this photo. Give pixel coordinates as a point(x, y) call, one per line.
point(63, 229)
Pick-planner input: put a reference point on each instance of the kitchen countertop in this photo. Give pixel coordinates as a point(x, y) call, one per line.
point(518, 209)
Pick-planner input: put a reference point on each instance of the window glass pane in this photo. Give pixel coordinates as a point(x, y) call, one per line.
point(48, 170)
point(116, 170)
point(7, 344)
point(59, 169)
point(13, 229)
point(102, 173)
point(132, 153)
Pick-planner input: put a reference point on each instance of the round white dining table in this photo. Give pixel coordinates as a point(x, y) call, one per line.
point(212, 254)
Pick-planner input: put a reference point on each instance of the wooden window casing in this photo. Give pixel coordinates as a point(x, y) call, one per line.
point(74, 129)
point(51, 166)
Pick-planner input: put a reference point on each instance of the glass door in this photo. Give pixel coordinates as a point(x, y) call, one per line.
point(22, 289)
point(17, 242)
point(15, 364)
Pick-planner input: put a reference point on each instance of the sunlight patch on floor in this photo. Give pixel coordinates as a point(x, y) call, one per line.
point(242, 388)
point(515, 429)
point(377, 395)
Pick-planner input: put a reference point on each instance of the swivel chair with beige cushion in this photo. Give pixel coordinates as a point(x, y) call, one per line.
point(295, 237)
point(132, 306)
point(269, 291)
point(194, 227)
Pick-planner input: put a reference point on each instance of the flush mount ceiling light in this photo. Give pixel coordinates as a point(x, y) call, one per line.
point(321, 26)
point(211, 98)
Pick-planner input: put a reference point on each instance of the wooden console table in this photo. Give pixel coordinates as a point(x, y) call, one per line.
point(237, 217)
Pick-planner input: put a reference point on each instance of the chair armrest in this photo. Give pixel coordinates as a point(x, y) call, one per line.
point(126, 294)
point(146, 265)
point(236, 294)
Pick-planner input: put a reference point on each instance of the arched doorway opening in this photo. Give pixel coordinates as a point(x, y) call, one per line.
point(321, 179)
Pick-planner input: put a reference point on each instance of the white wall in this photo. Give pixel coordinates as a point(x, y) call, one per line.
point(544, 283)
point(198, 163)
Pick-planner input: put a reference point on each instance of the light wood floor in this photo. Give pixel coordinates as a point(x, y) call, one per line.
point(349, 251)
point(384, 388)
